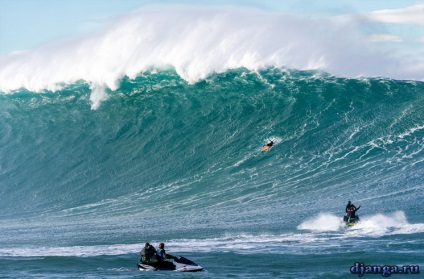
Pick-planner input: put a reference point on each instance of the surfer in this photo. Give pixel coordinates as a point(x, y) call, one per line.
point(267, 146)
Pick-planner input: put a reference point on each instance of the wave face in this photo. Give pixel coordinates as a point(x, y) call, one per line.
point(162, 159)
point(160, 144)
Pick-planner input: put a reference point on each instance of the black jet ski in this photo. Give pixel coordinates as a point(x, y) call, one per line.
point(351, 218)
point(179, 264)
point(351, 221)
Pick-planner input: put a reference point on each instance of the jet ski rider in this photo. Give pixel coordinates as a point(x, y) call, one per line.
point(148, 255)
point(351, 210)
point(163, 256)
point(348, 206)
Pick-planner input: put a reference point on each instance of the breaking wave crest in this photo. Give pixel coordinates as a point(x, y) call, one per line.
point(197, 43)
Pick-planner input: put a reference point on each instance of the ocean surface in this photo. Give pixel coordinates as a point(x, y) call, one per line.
point(160, 159)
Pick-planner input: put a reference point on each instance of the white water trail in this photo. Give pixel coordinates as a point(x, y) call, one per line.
point(375, 225)
point(322, 222)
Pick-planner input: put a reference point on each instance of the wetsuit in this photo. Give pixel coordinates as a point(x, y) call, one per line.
point(348, 207)
point(162, 257)
point(352, 211)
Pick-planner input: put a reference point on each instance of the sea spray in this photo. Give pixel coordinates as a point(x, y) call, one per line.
point(322, 222)
point(98, 94)
point(198, 42)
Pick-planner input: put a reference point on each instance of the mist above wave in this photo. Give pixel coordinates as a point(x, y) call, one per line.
point(197, 42)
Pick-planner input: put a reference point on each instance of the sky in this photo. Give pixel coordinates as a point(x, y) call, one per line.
point(28, 24)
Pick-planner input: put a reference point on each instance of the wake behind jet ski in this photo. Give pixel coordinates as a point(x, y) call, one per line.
point(159, 260)
point(351, 218)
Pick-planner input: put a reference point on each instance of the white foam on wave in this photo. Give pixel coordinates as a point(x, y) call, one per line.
point(386, 224)
point(374, 225)
point(239, 243)
point(245, 243)
point(197, 42)
point(324, 231)
point(392, 220)
point(275, 139)
point(322, 222)
point(71, 251)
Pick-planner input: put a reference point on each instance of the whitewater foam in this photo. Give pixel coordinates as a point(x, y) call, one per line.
point(196, 42)
point(382, 224)
point(374, 225)
point(325, 231)
point(241, 243)
point(323, 222)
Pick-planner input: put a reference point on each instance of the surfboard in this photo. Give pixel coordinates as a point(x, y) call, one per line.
point(265, 148)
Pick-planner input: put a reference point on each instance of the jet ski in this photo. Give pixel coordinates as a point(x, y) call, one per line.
point(351, 221)
point(351, 218)
point(179, 264)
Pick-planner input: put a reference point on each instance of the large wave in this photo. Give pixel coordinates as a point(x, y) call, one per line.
point(197, 146)
point(197, 42)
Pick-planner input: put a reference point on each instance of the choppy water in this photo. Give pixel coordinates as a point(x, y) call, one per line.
point(165, 160)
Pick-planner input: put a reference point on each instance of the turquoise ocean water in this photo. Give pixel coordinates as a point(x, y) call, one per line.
point(164, 160)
